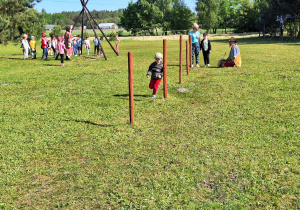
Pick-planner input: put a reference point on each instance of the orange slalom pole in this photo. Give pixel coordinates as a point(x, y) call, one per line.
point(187, 58)
point(180, 61)
point(191, 48)
point(165, 69)
point(130, 80)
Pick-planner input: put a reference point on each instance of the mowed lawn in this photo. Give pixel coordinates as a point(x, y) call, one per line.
point(230, 140)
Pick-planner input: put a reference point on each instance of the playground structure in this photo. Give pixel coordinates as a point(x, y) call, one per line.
point(282, 19)
point(89, 16)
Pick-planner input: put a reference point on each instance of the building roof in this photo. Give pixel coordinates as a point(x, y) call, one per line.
point(49, 27)
point(106, 24)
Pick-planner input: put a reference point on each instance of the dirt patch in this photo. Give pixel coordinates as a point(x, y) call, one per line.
point(5, 84)
point(182, 89)
point(176, 37)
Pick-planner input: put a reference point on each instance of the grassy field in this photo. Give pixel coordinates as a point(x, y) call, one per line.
point(229, 141)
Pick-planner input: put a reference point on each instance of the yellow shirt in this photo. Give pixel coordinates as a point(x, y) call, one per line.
point(32, 44)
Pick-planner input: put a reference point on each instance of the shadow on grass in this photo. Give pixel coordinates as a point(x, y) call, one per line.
point(88, 122)
point(52, 65)
point(11, 58)
point(127, 95)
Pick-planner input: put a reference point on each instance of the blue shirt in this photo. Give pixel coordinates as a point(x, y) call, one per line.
point(195, 36)
point(234, 51)
point(78, 42)
point(96, 42)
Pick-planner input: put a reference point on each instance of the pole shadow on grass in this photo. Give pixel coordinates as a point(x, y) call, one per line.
point(52, 65)
point(89, 122)
point(125, 96)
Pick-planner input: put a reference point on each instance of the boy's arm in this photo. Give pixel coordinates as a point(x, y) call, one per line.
point(149, 71)
point(209, 46)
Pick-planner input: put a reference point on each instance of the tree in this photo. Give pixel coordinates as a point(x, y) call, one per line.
point(56, 30)
point(181, 17)
point(208, 14)
point(18, 17)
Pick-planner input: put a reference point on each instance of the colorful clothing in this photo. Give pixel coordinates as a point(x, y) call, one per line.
point(32, 44)
point(235, 56)
point(195, 46)
point(156, 71)
point(25, 48)
point(68, 36)
point(195, 36)
point(205, 47)
point(87, 46)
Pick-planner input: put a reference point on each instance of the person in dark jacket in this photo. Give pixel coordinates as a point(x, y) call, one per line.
point(156, 71)
point(205, 47)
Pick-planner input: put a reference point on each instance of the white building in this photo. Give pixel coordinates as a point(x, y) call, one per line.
point(49, 27)
point(108, 26)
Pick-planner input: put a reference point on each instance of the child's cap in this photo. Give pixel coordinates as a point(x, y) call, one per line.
point(158, 55)
point(74, 35)
point(32, 37)
point(43, 34)
point(60, 38)
point(25, 35)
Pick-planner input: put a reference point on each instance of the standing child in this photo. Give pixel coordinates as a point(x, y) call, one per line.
point(75, 49)
point(205, 47)
point(195, 44)
point(49, 46)
point(78, 43)
point(25, 46)
point(156, 71)
point(61, 50)
point(44, 47)
point(32, 44)
point(100, 46)
point(87, 45)
point(54, 45)
point(96, 46)
point(117, 43)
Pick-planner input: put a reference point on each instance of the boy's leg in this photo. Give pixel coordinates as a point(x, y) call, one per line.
point(151, 84)
point(155, 86)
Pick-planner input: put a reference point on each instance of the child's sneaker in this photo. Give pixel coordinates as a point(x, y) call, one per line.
point(153, 96)
point(62, 64)
point(197, 65)
point(192, 65)
point(208, 65)
point(205, 65)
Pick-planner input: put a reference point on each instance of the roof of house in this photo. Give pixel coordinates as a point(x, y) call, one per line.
point(106, 24)
point(49, 26)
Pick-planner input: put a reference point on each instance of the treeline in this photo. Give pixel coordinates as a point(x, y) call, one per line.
point(241, 15)
point(248, 15)
point(68, 18)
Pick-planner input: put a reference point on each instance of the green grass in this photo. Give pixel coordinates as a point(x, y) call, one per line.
point(230, 142)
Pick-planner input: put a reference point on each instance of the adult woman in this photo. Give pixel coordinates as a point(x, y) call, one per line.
point(68, 39)
point(195, 44)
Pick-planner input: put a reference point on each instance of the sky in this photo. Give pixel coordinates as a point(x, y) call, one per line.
point(56, 6)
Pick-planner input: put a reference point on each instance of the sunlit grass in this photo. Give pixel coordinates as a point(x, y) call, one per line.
point(230, 141)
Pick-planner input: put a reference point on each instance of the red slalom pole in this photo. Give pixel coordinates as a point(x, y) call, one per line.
point(191, 48)
point(180, 61)
point(130, 80)
point(187, 58)
point(165, 69)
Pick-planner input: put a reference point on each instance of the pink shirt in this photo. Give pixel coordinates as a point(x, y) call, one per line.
point(61, 48)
